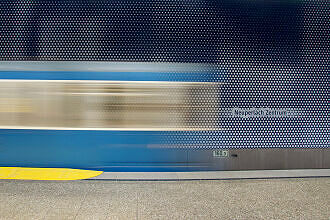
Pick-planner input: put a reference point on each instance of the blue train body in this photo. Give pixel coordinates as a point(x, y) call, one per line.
point(114, 149)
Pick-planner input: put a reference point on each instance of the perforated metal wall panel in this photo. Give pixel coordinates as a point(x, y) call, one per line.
point(271, 57)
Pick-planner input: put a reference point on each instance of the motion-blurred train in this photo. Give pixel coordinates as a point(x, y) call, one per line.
point(164, 85)
point(104, 115)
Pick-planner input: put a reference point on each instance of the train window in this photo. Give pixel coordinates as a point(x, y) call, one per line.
point(108, 104)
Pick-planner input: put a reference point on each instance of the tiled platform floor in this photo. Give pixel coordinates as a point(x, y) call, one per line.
point(293, 198)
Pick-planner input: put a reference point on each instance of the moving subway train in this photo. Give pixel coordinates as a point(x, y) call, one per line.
point(105, 115)
point(164, 85)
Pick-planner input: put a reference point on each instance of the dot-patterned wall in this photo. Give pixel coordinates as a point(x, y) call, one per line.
point(272, 57)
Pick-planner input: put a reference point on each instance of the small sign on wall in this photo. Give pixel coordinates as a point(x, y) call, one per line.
point(220, 153)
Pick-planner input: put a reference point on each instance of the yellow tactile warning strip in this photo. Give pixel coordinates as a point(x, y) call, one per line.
point(24, 173)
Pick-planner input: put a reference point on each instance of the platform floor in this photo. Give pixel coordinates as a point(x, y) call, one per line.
point(287, 198)
point(212, 175)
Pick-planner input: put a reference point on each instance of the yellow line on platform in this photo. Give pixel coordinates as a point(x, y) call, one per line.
point(24, 173)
